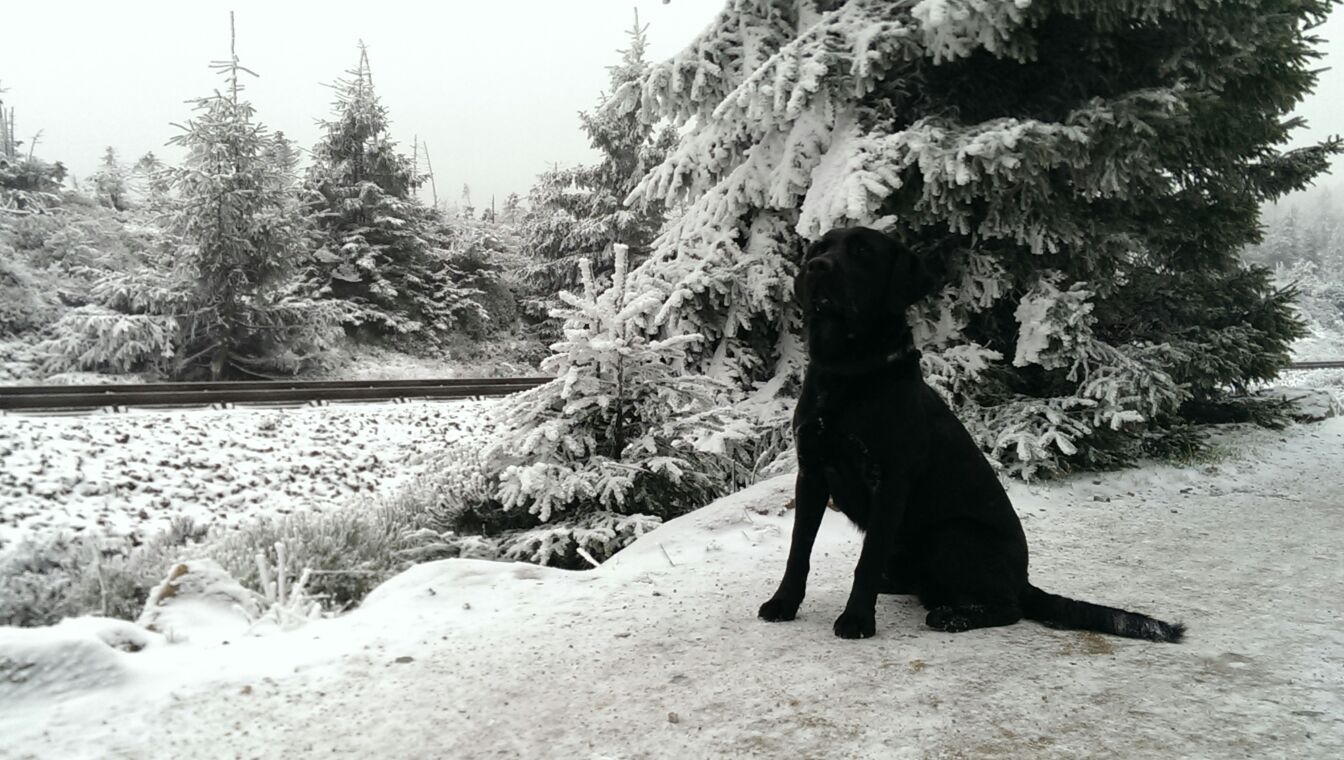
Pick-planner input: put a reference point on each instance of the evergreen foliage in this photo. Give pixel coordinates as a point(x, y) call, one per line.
point(218, 294)
point(151, 181)
point(381, 253)
point(1083, 175)
point(1304, 243)
point(613, 431)
point(237, 216)
point(109, 182)
point(580, 212)
point(30, 185)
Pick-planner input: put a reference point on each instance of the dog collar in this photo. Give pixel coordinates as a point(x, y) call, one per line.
point(870, 364)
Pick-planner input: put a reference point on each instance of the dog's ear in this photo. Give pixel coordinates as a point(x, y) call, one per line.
point(910, 279)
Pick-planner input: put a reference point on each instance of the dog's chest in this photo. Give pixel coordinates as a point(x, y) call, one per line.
point(837, 441)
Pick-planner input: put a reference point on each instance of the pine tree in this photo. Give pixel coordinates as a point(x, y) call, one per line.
point(151, 179)
point(465, 208)
point(513, 209)
point(581, 212)
point(237, 217)
point(109, 182)
point(281, 152)
point(1083, 175)
point(613, 431)
point(381, 253)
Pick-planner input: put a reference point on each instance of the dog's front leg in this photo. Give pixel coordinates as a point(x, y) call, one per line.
point(809, 505)
point(858, 621)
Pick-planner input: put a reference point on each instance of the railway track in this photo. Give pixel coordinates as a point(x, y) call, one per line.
point(51, 398)
point(20, 398)
point(1317, 365)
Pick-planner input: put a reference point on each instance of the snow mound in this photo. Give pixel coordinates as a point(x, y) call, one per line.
point(199, 600)
point(75, 655)
point(719, 532)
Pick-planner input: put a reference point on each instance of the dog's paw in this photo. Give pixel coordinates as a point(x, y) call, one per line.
point(855, 625)
point(948, 619)
point(778, 609)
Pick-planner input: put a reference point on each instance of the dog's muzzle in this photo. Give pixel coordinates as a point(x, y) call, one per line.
point(818, 274)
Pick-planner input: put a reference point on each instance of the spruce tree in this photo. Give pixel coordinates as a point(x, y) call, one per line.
point(109, 182)
point(580, 212)
point(513, 209)
point(237, 217)
point(380, 252)
point(1083, 176)
point(151, 179)
point(614, 430)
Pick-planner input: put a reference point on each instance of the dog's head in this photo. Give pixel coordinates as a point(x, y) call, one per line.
point(854, 286)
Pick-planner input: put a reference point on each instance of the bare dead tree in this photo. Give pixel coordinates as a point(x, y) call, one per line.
point(433, 188)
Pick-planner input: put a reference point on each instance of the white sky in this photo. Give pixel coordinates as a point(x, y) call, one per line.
point(493, 86)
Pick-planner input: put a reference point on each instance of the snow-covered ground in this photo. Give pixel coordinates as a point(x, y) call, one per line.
point(496, 357)
point(1319, 345)
point(130, 474)
point(659, 653)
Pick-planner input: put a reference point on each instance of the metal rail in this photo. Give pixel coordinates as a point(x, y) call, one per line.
point(1317, 365)
point(52, 397)
point(71, 397)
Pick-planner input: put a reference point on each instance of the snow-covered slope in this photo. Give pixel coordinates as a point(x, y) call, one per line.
point(659, 652)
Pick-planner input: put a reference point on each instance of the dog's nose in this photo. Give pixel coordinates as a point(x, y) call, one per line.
point(819, 265)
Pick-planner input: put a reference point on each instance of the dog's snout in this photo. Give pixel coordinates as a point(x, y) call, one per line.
point(819, 265)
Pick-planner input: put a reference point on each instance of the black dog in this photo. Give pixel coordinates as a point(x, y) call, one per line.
point(875, 439)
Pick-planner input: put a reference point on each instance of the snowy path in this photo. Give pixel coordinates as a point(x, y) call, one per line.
point(643, 659)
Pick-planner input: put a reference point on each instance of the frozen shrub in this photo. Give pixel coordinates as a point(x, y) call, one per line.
point(612, 431)
point(599, 535)
point(25, 304)
point(349, 551)
point(43, 581)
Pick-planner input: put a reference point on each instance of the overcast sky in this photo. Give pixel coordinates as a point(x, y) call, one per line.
point(492, 86)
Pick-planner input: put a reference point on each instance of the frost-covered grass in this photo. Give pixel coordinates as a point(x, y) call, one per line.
point(94, 508)
point(348, 552)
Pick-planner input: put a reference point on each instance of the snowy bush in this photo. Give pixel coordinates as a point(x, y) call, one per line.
point(592, 538)
point(619, 441)
point(475, 252)
point(611, 431)
point(29, 185)
point(1320, 292)
point(24, 303)
point(98, 339)
point(42, 582)
point(348, 552)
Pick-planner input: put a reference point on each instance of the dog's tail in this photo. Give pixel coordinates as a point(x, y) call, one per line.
point(1062, 612)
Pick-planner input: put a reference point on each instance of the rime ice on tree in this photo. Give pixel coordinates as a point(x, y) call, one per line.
point(381, 253)
point(1069, 168)
point(237, 217)
point(611, 432)
point(580, 212)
